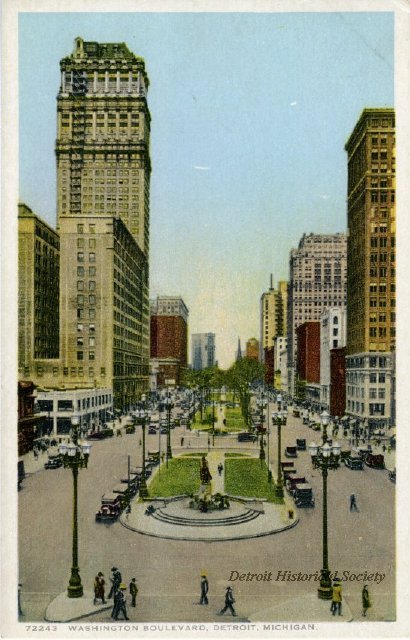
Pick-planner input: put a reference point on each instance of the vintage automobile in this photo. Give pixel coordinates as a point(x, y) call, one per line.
point(123, 492)
point(374, 461)
point(296, 413)
point(130, 428)
point(110, 508)
point(107, 433)
point(353, 462)
point(291, 452)
point(345, 453)
point(96, 435)
point(152, 430)
point(133, 483)
point(153, 456)
point(246, 436)
point(301, 444)
point(291, 483)
point(392, 475)
point(53, 462)
point(303, 495)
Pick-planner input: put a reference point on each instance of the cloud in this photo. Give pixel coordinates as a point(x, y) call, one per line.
point(324, 196)
point(201, 168)
point(293, 104)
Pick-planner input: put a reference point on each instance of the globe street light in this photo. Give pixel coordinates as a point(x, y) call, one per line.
point(262, 405)
point(324, 418)
point(279, 418)
point(142, 417)
point(324, 458)
point(168, 406)
point(75, 456)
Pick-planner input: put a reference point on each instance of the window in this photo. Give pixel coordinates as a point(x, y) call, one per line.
point(91, 285)
point(335, 344)
point(80, 243)
point(80, 228)
point(335, 320)
point(91, 314)
point(92, 328)
point(80, 327)
point(91, 355)
point(91, 243)
point(80, 300)
point(80, 341)
point(372, 393)
point(335, 331)
point(80, 272)
point(91, 228)
point(80, 285)
point(91, 271)
point(80, 256)
point(91, 341)
point(91, 299)
point(373, 378)
point(91, 257)
point(80, 355)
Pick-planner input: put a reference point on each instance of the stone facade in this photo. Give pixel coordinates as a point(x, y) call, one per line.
point(202, 350)
point(371, 286)
point(169, 338)
point(332, 336)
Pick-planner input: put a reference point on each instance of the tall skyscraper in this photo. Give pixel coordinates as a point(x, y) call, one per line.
point(202, 350)
point(273, 314)
point(317, 280)
point(103, 134)
point(103, 173)
point(169, 339)
point(38, 294)
point(371, 257)
point(252, 349)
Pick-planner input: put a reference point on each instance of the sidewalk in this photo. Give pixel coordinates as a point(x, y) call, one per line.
point(308, 608)
point(214, 458)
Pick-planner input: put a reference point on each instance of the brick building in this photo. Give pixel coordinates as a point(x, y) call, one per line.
point(337, 381)
point(308, 360)
point(169, 339)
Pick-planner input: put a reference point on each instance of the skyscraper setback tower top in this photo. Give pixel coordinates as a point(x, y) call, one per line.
point(103, 133)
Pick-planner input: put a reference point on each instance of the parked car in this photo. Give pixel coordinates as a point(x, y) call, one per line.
point(392, 475)
point(96, 435)
point(246, 436)
point(110, 508)
point(291, 452)
point(303, 495)
point(301, 444)
point(152, 431)
point(296, 413)
point(123, 493)
point(53, 463)
point(374, 461)
point(107, 433)
point(130, 428)
point(292, 482)
point(354, 462)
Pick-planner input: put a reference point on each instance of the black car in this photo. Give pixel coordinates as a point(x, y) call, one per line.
point(246, 436)
point(53, 463)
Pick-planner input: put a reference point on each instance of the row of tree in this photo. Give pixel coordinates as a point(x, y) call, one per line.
point(238, 378)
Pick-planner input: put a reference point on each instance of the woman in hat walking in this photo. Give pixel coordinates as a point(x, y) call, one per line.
point(366, 604)
point(229, 600)
point(120, 603)
point(99, 591)
point(336, 598)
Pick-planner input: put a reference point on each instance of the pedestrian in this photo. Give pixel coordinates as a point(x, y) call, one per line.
point(120, 603)
point(220, 468)
point(182, 441)
point(336, 598)
point(133, 592)
point(353, 504)
point(229, 601)
point(99, 591)
point(366, 604)
point(115, 581)
point(204, 589)
point(20, 611)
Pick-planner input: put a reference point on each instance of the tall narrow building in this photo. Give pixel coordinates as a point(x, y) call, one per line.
point(202, 350)
point(317, 280)
point(371, 285)
point(103, 134)
point(169, 339)
point(103, 176)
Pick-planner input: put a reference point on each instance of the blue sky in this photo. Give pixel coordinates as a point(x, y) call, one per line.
point(250, 114)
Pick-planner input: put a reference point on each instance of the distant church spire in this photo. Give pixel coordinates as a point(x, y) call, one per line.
point(239, 351)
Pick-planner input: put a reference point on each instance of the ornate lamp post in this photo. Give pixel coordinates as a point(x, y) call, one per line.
point(324, 418)
point(75, 456)
point(279, 418)
point(324, 458)
point(213, 421)
point(142, 416)
point(262, 405)
point(168, 406)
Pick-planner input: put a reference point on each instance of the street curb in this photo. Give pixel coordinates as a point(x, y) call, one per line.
point(237, 537)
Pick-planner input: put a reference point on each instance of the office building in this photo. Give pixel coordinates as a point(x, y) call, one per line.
point(273, 315)
point(169, 339)
point(308, 362)
point(371, 259)
point(317, 280)
point(332, 336)
point(202, 350)
point(38, 293)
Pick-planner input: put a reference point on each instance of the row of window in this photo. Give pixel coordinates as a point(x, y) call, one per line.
point(374, 408)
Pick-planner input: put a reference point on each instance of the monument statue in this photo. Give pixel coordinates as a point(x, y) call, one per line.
point(204, 472)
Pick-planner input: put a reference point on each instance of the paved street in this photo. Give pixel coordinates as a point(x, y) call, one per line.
point(168, 572)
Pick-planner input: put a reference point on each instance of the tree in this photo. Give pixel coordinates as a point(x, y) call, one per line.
point(239, 378)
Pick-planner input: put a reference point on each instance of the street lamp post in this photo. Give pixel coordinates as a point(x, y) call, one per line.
point(325, 458)
point(279, 418)
point(324, 418)
point(168, 406)
point(262, 405)
point(75, 456)
point(142, 415)
point(213, 421)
